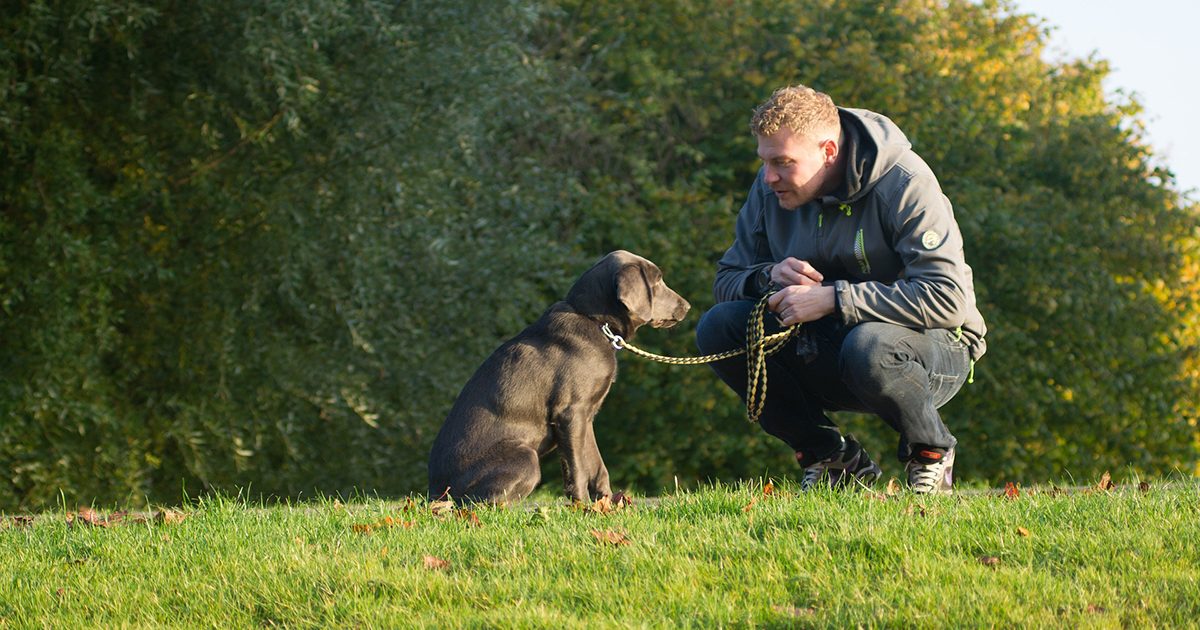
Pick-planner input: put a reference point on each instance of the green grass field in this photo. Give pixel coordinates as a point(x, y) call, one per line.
point(718, 557)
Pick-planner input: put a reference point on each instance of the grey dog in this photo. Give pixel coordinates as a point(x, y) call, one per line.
point(542, 389)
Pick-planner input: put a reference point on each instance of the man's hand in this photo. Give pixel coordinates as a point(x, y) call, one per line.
point(792, 272)
point(803, 303)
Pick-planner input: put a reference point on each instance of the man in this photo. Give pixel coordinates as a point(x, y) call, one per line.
point(851, 228)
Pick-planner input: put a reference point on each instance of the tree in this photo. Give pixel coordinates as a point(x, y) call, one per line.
point(258, 244)
point(1084, 253)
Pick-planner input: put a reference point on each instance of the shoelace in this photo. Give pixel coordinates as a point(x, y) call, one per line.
point(927, 477)
point(813, 475)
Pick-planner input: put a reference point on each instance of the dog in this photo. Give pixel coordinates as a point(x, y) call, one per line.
point(542, 389)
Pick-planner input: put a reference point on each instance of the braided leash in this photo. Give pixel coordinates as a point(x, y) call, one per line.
point(759, 346)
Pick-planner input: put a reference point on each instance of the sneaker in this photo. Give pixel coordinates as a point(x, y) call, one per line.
point(845, 467)
point(931, 471)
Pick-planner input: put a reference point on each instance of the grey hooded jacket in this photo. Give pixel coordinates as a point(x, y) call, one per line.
point(886, 239)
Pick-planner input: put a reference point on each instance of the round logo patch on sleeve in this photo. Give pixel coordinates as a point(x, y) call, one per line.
point(930, 239)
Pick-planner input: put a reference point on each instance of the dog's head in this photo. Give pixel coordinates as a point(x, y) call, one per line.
point(629, 288)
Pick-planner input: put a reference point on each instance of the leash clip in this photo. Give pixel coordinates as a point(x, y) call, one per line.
point(618, 342)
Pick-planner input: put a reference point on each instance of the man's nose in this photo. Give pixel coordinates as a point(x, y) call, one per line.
point(771, 175)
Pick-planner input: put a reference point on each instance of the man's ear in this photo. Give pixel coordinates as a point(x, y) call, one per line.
point(830, 150)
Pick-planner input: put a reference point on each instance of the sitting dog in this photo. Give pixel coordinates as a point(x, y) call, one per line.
point(543, 387)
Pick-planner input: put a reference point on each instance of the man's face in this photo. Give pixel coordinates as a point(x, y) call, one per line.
point(795, 167)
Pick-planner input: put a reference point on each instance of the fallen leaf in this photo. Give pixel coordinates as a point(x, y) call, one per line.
point(470, 517)
point(88, 516)
point(169, 517)
point(439, 507)
point(384, 523)
point(893, 487)
point(1095, 609)
point(915, 510)
point(608, 536)
point(989, 561)
point(435, 564)
point(621, 500)
point(752, 502)
point(1144, 487)
point(22, 521)
point(1021, 531)
point(410, 504)
point(1011, 490)
point(769, 489)
point(603, 505)
point(1106, 483)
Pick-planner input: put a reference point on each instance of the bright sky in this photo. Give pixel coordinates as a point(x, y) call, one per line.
point(1153, 50)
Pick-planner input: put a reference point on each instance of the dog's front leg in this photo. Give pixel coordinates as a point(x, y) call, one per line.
point(584, 473)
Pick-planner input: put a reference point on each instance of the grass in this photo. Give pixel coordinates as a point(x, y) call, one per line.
point(717, 557)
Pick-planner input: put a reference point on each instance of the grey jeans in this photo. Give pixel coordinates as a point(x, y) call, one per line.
point(900, 374)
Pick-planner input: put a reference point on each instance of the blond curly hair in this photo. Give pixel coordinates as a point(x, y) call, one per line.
point(805, 111)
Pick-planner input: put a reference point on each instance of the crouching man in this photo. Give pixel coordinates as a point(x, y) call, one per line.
point(848, 230)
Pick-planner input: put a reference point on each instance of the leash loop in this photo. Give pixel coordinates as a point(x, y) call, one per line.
point(618, 342)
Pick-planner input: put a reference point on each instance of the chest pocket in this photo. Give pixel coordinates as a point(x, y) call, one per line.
point(861, 252)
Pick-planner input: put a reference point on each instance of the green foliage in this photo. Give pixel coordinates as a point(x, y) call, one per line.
point(258, 243)
point(264, 243)
point(1084, 254)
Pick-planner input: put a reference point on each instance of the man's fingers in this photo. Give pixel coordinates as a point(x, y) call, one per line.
point(793, 271)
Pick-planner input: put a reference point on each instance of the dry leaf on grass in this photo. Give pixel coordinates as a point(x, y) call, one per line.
point(1011, 491)
point(169, 517)
point(1106, 482)
point(914, 510)
point(751, 505)
point(989, 561)
point(621, 500)
point(16, 522)
point(1144, 487)
point(769, 489)
point(608, 536)
point(124, 516)
point(603, 505)
point(441, 507)
point(386, 522)
point(1095, 609)
point(435, 564)
point(468, 516)
point(1021, 531)
point(893, 487)
point(88, 516)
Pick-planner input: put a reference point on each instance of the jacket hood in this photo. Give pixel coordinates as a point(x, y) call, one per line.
point(873, 145)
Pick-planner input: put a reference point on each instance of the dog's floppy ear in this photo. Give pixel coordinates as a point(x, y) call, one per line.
point(635, 290)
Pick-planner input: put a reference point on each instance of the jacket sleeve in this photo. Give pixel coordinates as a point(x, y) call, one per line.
point(750, 251)
point(931, 292)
